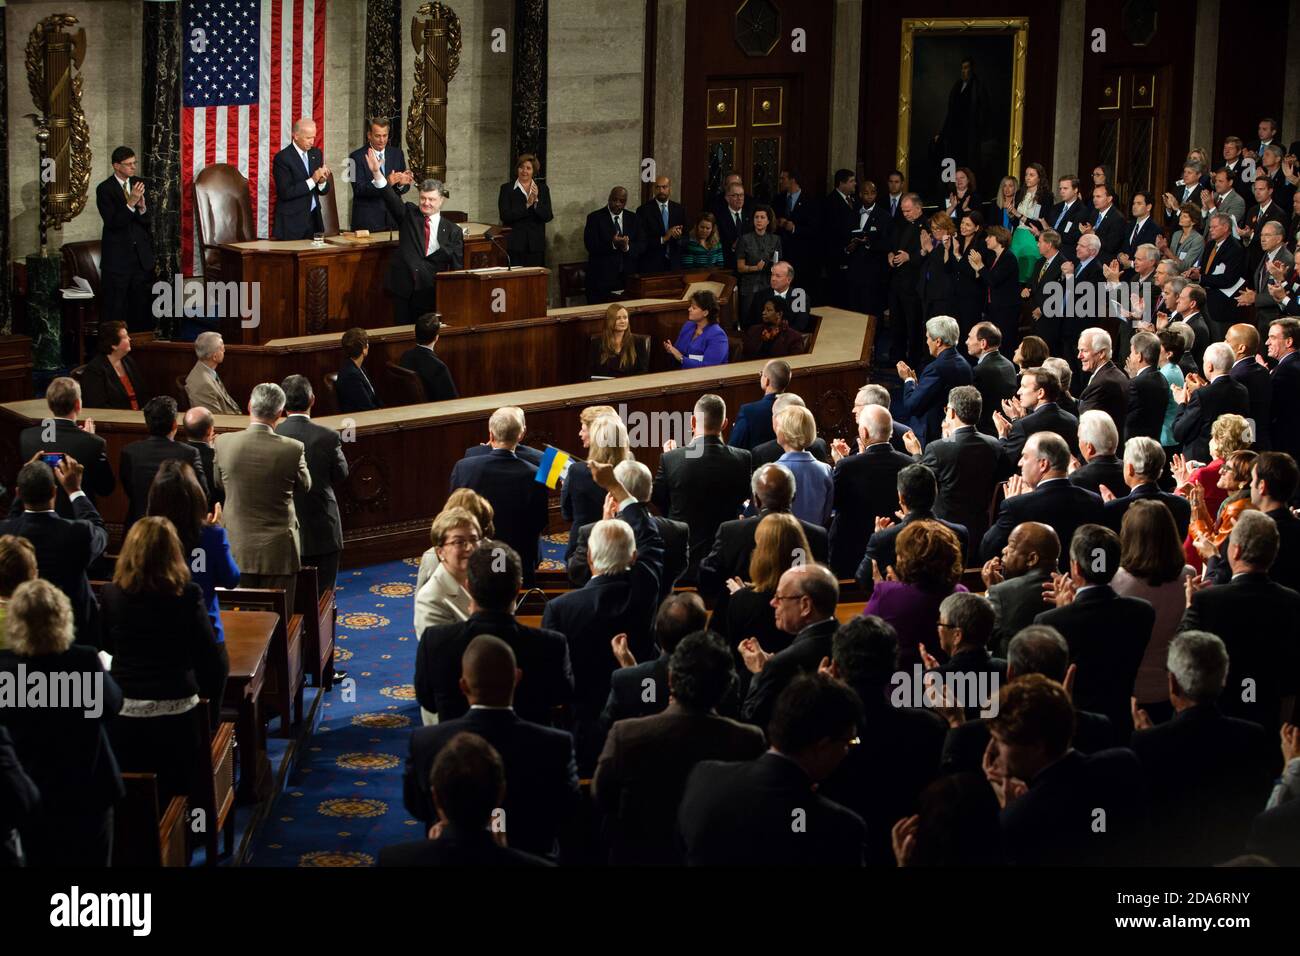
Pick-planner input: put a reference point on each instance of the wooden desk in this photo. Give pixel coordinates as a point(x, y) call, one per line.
point(248, 642)
point(305, 289)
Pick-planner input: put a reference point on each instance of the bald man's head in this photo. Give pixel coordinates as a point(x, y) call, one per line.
point(488, 673)
point(198, 424)
point(1031, 545)
point(1243, 339)
point(877, 423)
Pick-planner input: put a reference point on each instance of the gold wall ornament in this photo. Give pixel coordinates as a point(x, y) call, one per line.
point(61, 129)
point(437, 57)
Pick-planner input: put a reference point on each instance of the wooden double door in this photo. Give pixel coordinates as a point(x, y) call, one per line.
point(1132, 131)
point(746, 129)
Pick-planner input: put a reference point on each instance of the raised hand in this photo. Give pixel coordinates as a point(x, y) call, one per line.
point(912, 443)
point(991, 573)
point(621, 652)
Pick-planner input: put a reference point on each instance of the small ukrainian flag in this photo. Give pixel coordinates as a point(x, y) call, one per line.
point(552, 467)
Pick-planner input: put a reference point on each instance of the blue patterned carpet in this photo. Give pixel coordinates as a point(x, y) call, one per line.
point(343, 802)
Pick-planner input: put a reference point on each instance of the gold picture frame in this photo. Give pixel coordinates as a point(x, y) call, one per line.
point(1015, 27)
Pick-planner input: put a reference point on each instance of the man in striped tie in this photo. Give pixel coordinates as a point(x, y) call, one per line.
point(301, 178)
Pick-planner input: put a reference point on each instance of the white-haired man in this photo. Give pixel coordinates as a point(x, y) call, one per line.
point(1144, 463)
point(866, 488)
point(203, 386)
point(1107, 387)
point(924, 399)
point(1098, 444)
point(1204, 401)
point(301, 178)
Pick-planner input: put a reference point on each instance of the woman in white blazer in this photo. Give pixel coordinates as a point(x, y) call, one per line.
point(443, 599)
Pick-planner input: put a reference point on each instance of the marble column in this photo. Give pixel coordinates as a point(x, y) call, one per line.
point(528, 84)
point(160, 116)
point(670, 81)
point(846, 72)
point(6, 315)
point(1205, 69)
point(1069, 80)
point(383, 61)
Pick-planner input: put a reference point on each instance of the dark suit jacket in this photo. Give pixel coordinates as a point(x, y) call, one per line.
point(1113, 232)
point(728, 232)
point(1259, 389)
point(797, 304)
point(125, 244)
point(676, 537)
point(518, 500)
point(86, 448)
point(881, 546)
point(293, 197)
point(903, 279)
point(996, 377)
point(1276, 834)
point(803, 656)
point(866, 488)
point(139, 464)
point(523, 452)
point(1018, 601)
point(438, 386)
point(320, 529)
point(1057, 503)
point(607, 266)
point(733, 546)
point(1138, 235)
point(1002, 278)
point(1245, 613)
point(1047, 417)
point(64, 550)
point(1079, 211)
point(921, 404)
point(753, 424)
point(456, 849)
point(409, 269)
point(643, 770)
point(527, 226)
point(1284, 423)
point(703, 484)
point(1223, 308)
point(770, 789)
point(207, 454)
point(354, 390)
point(659, 256)
point(540, 653)
point(368, 209)
point(1207, 775)
point(769, 451)
point(1197, 417)
point(1178, 506)
point(542, 789)
point(1051, 824)
point(101, 388)
point(1107, 391)
point(967, 466)
point(637, 691)
point(1107, 634)
point(1105, 470)
point(1148, 398)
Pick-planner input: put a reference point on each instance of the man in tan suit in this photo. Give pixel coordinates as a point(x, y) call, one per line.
point(259, 472)
point(203, 385)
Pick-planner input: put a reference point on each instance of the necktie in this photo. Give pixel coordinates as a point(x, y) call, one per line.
point(618, 225)
point(126, 188)
point(1260, 276)
point(381, 162)
point(1134, 238)
point(1064, 210)
point(663, 213)
point(1210, 261)
point(789, 204)
point(428, 229)
point(306, 164)
point(1043, 271)
point(893, 207)
point(736, 217)
point(1098, 222)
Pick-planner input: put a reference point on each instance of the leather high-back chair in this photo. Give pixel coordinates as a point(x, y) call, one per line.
point(81, 259)
point(223, 211)
point(406, 387)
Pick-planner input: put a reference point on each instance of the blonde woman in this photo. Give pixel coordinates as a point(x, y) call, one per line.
point(1230, 433)
point(476, 505)
point(796, 429)
point(779, 540)
point(582, 501)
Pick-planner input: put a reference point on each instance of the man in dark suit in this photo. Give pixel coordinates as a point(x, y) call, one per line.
point(319, 526)
point(907, 323)
point(639, 690)
point(1098, 442)
point(782, 289)
point(1245, 612)
point(916, 493)
point(866, 488)
point(805, 601)
point(1143, 229)
point(1050, 791)
point(1037, 397)
point(798, 225)
point(1107, 632)
point(620, 598)
point(1045, 308)
point(1015, 581)
point(199, 430)
point(1107, 223)
point(422, 360)
point(428, 243)
point(1067, 215)
point(1243, 339)
point(301, 178)
point(1042, 492)
point(65, 547)
point(1144, 463)
point(614, 243)
point(1276, 256)
point(1208, 774)
point(767, 452)
point(994, 374)
point(1265, 209)
point(753, 424)
point(1107, 387)
point(140, 459)
point(705, 483)
point(495, 577)
point(1284, 424)
point(368, 209)
point(839, 220)
point(967, 465)
point(1148, 390)
point(61, 433)
point(773, 490)
point(126, 250)
point(1202, 404)
point(353, 389)
point(814, 722)
point(924, 399)
point(734, 214)
point(1222, 268)
point(661, 223)
point(509, 484)
point(543, 791)
point(1084, 287)
point(646, 760)
point(467, 786)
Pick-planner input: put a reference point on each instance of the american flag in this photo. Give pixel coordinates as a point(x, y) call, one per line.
point(251, 67)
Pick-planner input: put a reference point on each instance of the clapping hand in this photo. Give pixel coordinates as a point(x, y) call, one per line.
point(975, 259)
point(137, 194)
point(928, 660)
point(1067, 268)
point(1141, 719)
point(991, 573)
point(882, 522)
point(1012, 408)
point(753, 654)
point(1277, 290)
point(621, 652)
point(1002, 424)
point(840, 449)
point(1014, 486)
point(672, 350)
point(902, 838)
point(1193, 584)
point(876, 576)
point(1059, 590)
point(1205, 546)
point(904, 371)
point(1290, 735)
point(1106, 493)
point(911, 442)
point(735, 584)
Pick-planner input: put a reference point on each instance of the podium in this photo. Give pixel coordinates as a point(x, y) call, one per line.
point(484, 296)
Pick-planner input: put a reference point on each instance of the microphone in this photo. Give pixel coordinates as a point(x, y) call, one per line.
point(495, 239)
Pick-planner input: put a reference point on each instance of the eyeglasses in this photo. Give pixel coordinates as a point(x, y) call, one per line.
point(943, 625)
point(462, 542)
point(786, 597)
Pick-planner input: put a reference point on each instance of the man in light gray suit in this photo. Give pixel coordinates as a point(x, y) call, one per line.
point(261, 472)
point(1224, 199)
point(1272, 240)
point(203, 385)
